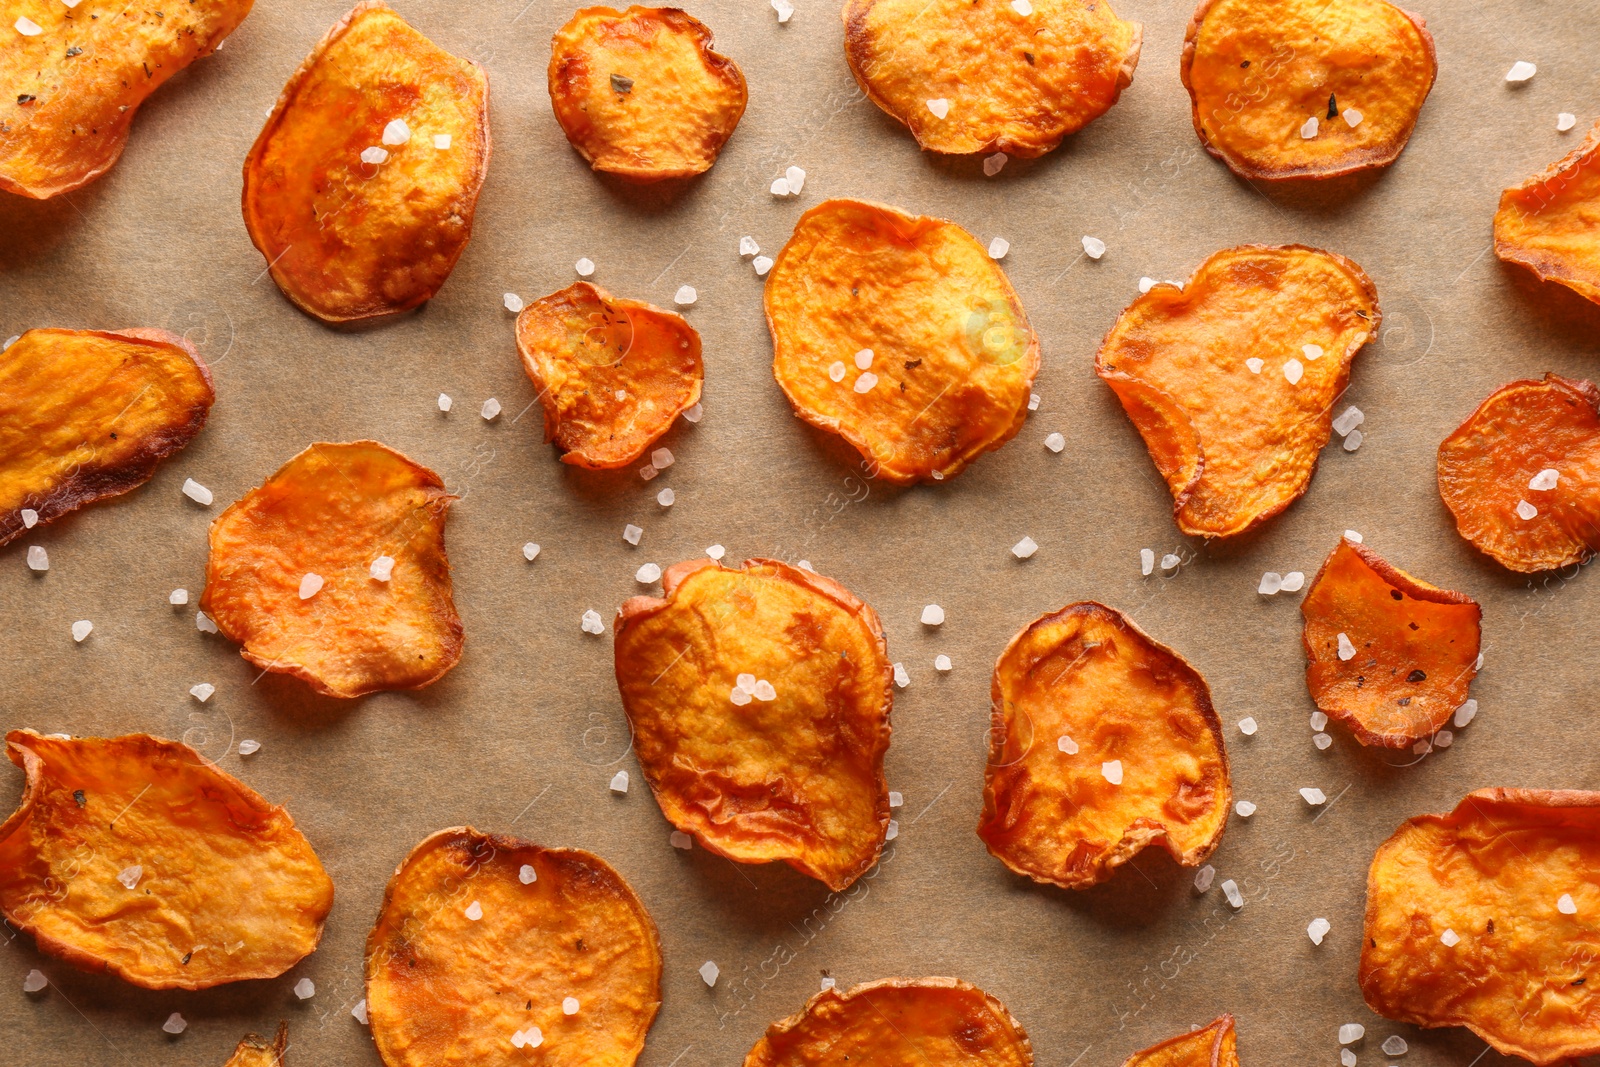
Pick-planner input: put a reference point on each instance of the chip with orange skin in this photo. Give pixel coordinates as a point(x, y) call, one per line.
point(1079, 697)
point(1547, 223)
point(1264, 74)
point(350, 239)
point(794, 774)
point(1489, 465)
point(88, 414)
point(949, 356)
point(1493, 873)
point(1213, 1045)
point(330, 513)
point(69, 92)
point(612, 374)
point(256, 1051)
point(481, 938)
point(1011, 82)
point(897, 1022)
point(1235, 445)
point(224, 887)
point(640, 93)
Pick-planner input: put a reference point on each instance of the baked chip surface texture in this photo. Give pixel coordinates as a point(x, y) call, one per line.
point(1102, 742)
point(482, 939)
point(1551, 222)
point(759, 701)
point(640, 93)
point(1306, 88)
point(1465, 923)
point(612, 374)
point(1213, 1045)
point(291, 575)
point(256, 1051)
point(138, 856)
point(898, 333)
point(88, 414)
point(361, 187)
point(1006, 81)
point(1231, 379)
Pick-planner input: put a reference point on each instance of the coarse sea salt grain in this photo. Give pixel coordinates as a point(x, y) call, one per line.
point(513, 302)
point(1352, 440)
point(27, 27)
point(662, 458)
point(1318, 720)
point(866, 382)
point(35, 981)
point(941, 663)
point(1321, 740)
point(445, 403)
point(1466, 713)
point(1293, 582)
point(1352, 117)
point(694, 412)
point(1055, 442)
point(1545, 480)
point(591, 623)
point(248, 747)
point(893, 831)
point(902, 677)
point(1247, 726)
point(1111, 771)
point(129, 876)
point(381, 569)
point(766, 692)
point(1565, 121)
point(779, 187)
point(202, 692)
point(1146, 284)
point(474, 911)
point(619, 782)
point(1521, 71)
point(1308, 129)
point(1352, 536)
point(1255, 363)
point(666, 498)
point(1311, 351)
point(716, 552)
point(569, 1006)
point(1025, 548)
point(647, 472)
point(1450, 938)
point(1565, 905)
point(204, 623)
point(1203, 877)
point(998, 248)
point(632, 533)
point(1395, 1045)
point(761, 264)
point(527, 875)
point(1318, 930)
point(1033, 401)
point(748, 246)
point(530, 551)
point(1147, 561)
point(1244, 809)
point(1350, 1033)
point(305, 989)
point(1230, 889)
point(441, 141)
point(740, 696)
point(895, 799)
point(1022, 7)
point(374, 155)
point(939, 106)
point(81, 629)
point(1170, 562)
point(785, 10)
point(1314, 796)
point(1293, 371)
point(490, 410)
point(1526, 510)
point(796, 179)
point(994, 164)
point(1348, 420)
point(584, 267)
point(1444, 739)
point(685, 296)
point(709, 972)
point(1093, 247)
point(359, 1012)
point(1421, 748)
point(175, 1024)
point(933, 615)
point(1347, 650)
point(38, 558)
point(396, 132)
point(836, 372)
point(1067, 745)
point(30, 518)
point(1270, 583)
point(310, 585)
point(197, 492)
point(648, 573)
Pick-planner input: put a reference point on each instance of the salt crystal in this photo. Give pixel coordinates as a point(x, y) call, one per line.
point(939, 106)
point(474, 911)
point(1347, 650)
point(650, 572)
point(445, 402)
point(1203, 878)
point(35, 981)
point(632, 533)
point(441, 141)
point(1293, 371)
point(933, 615)
point(569, 1006)
point(204, 623)
point(1055, 442)
point(591, 622)
point(530, 551)
point(866, 382)
point(780, 187)
point(1450, 938)
point(1317, 931)
point(197, 492)
point(836, 371)
point(740, 697)
point(1022, 7)
point(381, 568)
point(1521, 71)
point(941, 663)
point(1111, 770)
point(1421, 748)
point(1025, 548)
point(1395, 1045)
point(685, 296)
point(27, 27)
point(1322, 741)
point(1230, 889)
point(893, 831)
point(998, 248)
point(1033, 401)
point(533, 1037)
point(305, 989)
point(490, 409)
point(1350, 1033)
point(1170, 562)
point(716, 552)
point(694, 412)
point(1352, 117)
point(396, 132)
point(1318, 720)
point(1255, 363)
point(1466, 713)
point(746, 682)
point(796, 179)
point(249, 748)
point(1271, 582)
point(648, 472)
point(175, 1024)
point(1067, 745)
point(1565, 905)
point(766, 692)
point(1244, 809)
point(1444, 739)
point(310, 585)
point(1146, 284)
point(527, 875)
point(1293, 582)
point(785, 10)
point(374, 155)
point(902, 677)
point(1349, 420)
point(1545, 479)
point(666, 498)
point(1247, 726)
point(513, 302)
point(709, 972)
point(30, 518)
point(359, 1012)
point(662, 458)
point(129, 876)
point(1565, 121)
point(1147, 561)
point(1352, 440)
point(895, 799)
point(203, 691)
point(81, 629)
point(993, 164)
point(584, 266)
point(1314, 796)
point(1093, 247)
point(1347, 1057)
point(1352, 536)
point(1308, 129)
point(761, 264)
point(38, 558)
point(1526, 510)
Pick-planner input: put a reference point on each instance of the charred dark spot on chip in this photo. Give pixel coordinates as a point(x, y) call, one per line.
point(1418, 675)
point(913, 364)
point(1397, 594)
point(24, 98)
point(1246, 63)
point(1490, 927)
point(74, 51)
point(621, 84)
point(77, 794)
point(1333, 107)
point(1579, 981)
point(1404, 702)
point(1029, 57)
point(187, 956)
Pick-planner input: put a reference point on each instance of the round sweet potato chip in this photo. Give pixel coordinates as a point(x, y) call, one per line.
point(361, 187)
point(1305, 88)
point(1213, 1045)
point(137, 856)
point(970, 77)
point(334, 571)
point(1102, 742)
point(898, 333)
point(612, 374)
point(483, 943)
point(1522, 474)
point(759, 701)
point(640, 94)
point(897, 1022)
point(256, 1051)
point(89, 413)
point(1231, 379)
point(1547, 223)
point(1484, 918)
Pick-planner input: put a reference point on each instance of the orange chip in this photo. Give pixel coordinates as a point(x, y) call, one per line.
point(257, 1051)
point(897, 1022)
point(361, 187)
point(1231, 379)
point(1522, 474)
point(137, 856)
point(1547, 223)
point(1213, 1045)
point(1101, 742)
point(89, 413)
point(296, 574)
point(1286, 89)
point(483, 943)
point(640, 94)
point(759, 700)
point(1388, 655)
point(612, 374)
point(1484, 918)
point(967, 77)
point(898, 333)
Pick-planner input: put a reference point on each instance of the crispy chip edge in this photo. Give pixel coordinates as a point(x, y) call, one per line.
point(1547, 268)
point(1222, 1024)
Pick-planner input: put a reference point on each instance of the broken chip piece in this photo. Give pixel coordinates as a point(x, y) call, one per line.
point(257, 1051)
point(791, 770)
point(481, 939)
point(1212, 1045)
point(1415, 648)
point(88, 414)
point(1491, 874)
point(138, 856)
point(1281, 90)
point(1237, 447)
point(355, 210)
point(612, 374)
point(1140, 761)
point(941, 356)
point(1547, 223)
point(289, 573)
point(1014, 81)
point(640, 94)
point(1490, 466)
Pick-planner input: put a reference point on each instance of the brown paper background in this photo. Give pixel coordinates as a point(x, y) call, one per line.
point(523, 736)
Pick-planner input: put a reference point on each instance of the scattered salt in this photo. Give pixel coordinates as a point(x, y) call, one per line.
point(1293, 582)
point(1565, 121)
point(533, 1037)
point(249, 748)
point(305, 989)
point(1321, 740)
point(396, 132)
point(1565, 905)
point(527, 875)
point(81, 629)
point(204, 623)
point(513, 302)
point(1147, 561)
point(902, 677)
point(941, 663)
point(685, 296)
point(441, 141)
point(1314, 796)
point(761, 264)
point(740, 696)
point(1203, 878)
point(1311, 351)
point(584, 267)
point(39, 559)
point(779, 187)
point(569, 1006)
point(1521, 71)
point(716, 552)
point(895, 799)
point(310, 585)
point(632, 533)
point(374, 155)
point(202, 692)
point(490, 409)
point(382, 568)
point(1350, 1033)
point(27, 27)
point(1112, 771)
point(866, 382)
point(1395, 1045)
point(993, 164)
point(998, 248)
point(648, 472)
point(197, 492)
point(1293, 371)
point(785, 10)
point(694, 412)
point(650, 572)
point(766, 692)
point(1025, 548)
point(445, 402)
point(1444, 739)
point(1466, 713)
point(1352, 117)
point(1055, 442)
point(1545, 479)
point(530, 551)
point(1255, 363)
point(1352, 440)
point(1349, 420)
point(796, 179)
point(1270, 583)
point(1317, 931)
point(1352, 536)
point(893, 831)
point(359, 1012)
point(1033, 401)
point(1244, 809)
point(939, 106)
point(30, 518)
point(662, 458)
point(1318, 720)
point(933, 615)
point(836, 371)
point(1450, 938)
point(1230, 889)
point(1308, 129)
point(1093, 247)
point(1067, 745)
point(1247, 726)
point(591, 622)
point(1170, 562)
point(474, 911)
point(709, 972)
point(35, 981)
point(1022, 7)
point(129, 876)
point(175, 1024)
point(1146, 284)
point(666, 498)
point(1347, 650)
point(748, 246)
point(1526, 510)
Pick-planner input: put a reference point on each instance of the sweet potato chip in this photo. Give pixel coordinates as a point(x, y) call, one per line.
point(71, 84)
point(898, 333)
point(1230, 380)
point(482, 939)
point(759, 700)
point(361, 187)
point(1547, 223)
point(1522, 474)
point(89, 413)
point(136, 856)
point(257, 1051)
point(1002, 81)
point(612, 374)
point(1299, 89)
point(897, 1022)
point(334, 571)
point(640, 94)
point(1213, 1045)
point(1484, 918)
point(1101, 742)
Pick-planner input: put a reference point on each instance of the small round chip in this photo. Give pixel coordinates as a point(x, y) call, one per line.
point(640, 94)
point(1212, 1045)
point(1547, 223)
point(953, 356)
point(257, 1051)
